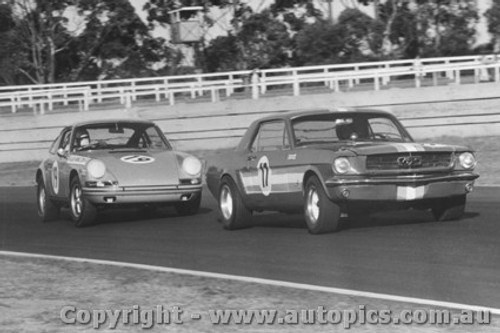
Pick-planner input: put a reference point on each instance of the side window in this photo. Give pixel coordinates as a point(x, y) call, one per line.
point(55, 145)
point(155, 140)
point(65, 140)
point(384, 127)
point(271, 136)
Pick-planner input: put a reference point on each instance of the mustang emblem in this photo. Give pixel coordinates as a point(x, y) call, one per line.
point(409, 161)
point(137, 159)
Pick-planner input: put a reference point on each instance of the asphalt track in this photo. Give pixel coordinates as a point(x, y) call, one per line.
point(402, 253)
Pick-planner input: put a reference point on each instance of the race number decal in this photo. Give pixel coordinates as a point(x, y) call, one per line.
point(264, 175)
point(138, 159)
point(54, 177)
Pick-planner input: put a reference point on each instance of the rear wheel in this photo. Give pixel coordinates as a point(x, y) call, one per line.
point(447, 209)
point(47, 209)
point(82, 211)
point(235, 215)
point(190, 207)
point(322, 215)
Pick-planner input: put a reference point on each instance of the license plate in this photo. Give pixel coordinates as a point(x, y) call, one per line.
point(410, 193)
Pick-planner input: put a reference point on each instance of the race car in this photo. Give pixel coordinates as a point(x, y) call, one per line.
point(101, 164)
point(333, 163)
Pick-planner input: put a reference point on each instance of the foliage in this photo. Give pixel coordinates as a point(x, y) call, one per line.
point(261, 42)
point(116, 43)
point(493, 17)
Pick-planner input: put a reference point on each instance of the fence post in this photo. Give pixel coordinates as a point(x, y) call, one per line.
point(171, 98)
point(134, 96)
point(99, 98)
point(263, 87)
point(356, 69)
point(50, 102)
point(255, 84)
point(457, 76)
point(296, 84)
point(128, 100)
point(497, 73)
point(376, 81)
point(86, 100)
point(200, 91)
point(449, 74)
point(435, 78)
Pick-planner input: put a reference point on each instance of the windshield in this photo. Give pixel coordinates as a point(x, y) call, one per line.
point(118, 136)
point(328, 128)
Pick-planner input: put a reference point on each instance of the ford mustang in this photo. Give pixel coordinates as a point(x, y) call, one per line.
point(99, 164)
point(333, 163)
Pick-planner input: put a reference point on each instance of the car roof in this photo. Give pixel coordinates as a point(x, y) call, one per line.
point(306, 112)
point(112, 121)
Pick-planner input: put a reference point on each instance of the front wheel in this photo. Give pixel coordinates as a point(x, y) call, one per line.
point(322, 215)
point(235, 215)
point(47, 210)
point(447, 209)
point(190, 207)
point(82, 211)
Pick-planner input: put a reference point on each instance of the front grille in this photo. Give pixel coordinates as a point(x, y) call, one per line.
point(409, 161)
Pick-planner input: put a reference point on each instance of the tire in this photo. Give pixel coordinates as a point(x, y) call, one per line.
point(448, 209)
point(190, 207)
point(322, 215)
point(82, 211)
point(47, 209)
point(235, 215)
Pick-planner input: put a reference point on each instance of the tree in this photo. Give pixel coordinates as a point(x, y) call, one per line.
point(38, 35)
point(493, 17)
point(261, 42)
point(446, 27)
point(116, 43)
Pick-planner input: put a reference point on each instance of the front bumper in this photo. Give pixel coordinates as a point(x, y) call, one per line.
point(145, 194)
point(400, 188)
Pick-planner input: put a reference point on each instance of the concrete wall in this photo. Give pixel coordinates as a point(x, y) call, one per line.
point(462, 110)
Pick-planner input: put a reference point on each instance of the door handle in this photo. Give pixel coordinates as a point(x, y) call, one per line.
point(251, 157)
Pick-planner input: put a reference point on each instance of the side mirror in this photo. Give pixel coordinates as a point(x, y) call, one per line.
point(61, 152)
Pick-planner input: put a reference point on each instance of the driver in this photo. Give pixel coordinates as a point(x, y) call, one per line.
point(82, 139)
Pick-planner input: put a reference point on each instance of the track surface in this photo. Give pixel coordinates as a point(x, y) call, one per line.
point(403, 253)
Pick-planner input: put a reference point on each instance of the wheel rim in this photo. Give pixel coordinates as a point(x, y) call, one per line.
point(226, 202)
point(312, 206)
point(41, 200)
point(76, 201)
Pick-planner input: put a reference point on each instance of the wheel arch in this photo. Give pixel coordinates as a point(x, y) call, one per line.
point(314, 172)
point(39, 176)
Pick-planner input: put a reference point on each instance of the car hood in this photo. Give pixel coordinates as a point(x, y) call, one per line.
point(140, 167)
point(375, 148)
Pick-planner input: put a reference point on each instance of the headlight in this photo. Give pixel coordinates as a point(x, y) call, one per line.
point(467, 160)
point(342, 165)
point(96, 169)
point(192, 166)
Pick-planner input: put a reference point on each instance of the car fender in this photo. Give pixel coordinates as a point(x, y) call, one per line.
point(321, 172)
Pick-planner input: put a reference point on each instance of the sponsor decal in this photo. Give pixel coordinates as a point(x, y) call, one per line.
point(264, 174)
point(54, 177)
point(138, 159)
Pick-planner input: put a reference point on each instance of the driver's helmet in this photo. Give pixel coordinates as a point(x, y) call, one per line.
point(82, 138)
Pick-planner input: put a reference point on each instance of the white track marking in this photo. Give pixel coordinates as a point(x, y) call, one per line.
point(278, 283)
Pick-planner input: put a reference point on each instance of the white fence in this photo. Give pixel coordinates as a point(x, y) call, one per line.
point(127, 91)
